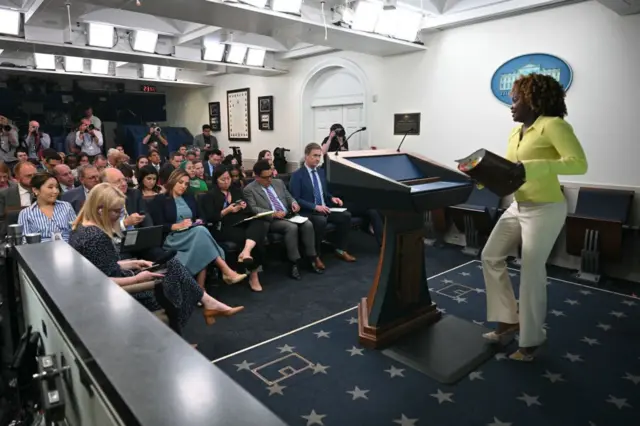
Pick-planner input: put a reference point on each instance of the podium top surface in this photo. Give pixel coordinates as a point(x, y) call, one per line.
point(392, 170)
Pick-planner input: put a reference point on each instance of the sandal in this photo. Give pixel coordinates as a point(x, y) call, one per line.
point(503, 337)
point(522, 356)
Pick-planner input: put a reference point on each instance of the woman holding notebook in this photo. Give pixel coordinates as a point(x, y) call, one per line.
point(224, 207)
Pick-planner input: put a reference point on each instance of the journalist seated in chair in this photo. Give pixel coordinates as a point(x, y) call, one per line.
point(16, 195)
point(134, 213)
point(89, 176)
point(214, 159)
point(267, 156)
point(225, 207)
point(5, 175)
point(65, 177)
point(94, 230)
point(237, 177)
point(196, 185)
point(266, 194)
point(308, 185)
point(47, 216)
point(177, 211)
point(148, 181)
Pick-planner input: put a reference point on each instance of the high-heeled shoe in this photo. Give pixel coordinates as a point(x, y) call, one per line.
point(228, 280)
point(211, 314)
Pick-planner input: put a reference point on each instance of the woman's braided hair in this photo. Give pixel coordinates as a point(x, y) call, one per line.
point(542, 93)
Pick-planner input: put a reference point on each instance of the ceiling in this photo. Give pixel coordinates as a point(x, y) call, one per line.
point(59, 27)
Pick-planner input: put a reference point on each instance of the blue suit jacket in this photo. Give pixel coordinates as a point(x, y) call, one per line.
point(301, 188)
point(76, 197)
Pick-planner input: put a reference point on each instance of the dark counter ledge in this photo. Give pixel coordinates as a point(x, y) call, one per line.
point(151, 376)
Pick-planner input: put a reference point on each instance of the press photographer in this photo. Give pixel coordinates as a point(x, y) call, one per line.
point(36, 141)
point(8, 141)
point(156, 140)
point(336, 141)
point(89, 139)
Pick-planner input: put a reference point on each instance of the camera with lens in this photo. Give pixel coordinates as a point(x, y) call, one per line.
point(89, 128)
point(155, 128)
point(6, 128)
point(340, 132)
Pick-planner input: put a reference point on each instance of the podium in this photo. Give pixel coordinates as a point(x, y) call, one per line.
point(398, 308)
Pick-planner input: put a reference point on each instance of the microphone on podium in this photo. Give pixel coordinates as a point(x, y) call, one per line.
point(361, 129)
point(403, 138)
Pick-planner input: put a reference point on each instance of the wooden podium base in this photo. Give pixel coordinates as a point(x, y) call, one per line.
point(379, 338)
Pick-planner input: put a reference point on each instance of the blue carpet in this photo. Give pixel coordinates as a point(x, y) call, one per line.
point(588, 375)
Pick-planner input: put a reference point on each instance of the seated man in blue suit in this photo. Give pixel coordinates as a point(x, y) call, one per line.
point(89, 177)
point(308, 185)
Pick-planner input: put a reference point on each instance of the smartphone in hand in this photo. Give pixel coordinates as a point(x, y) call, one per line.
point(153, 268)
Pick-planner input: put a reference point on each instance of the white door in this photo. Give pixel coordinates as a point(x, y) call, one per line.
point(350, 116)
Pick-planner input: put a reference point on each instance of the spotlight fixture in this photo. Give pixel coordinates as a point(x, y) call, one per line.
point(100, 35)
point(237, 53)
point(145, 41)
point(73, 64)
point(255, 57)
point(10, 21)
point(168, 73)
point(150, 71)
point(213, 51)
point(45, 61)
point(99, 66)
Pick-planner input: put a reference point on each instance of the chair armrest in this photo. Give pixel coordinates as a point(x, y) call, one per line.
point(140, 287)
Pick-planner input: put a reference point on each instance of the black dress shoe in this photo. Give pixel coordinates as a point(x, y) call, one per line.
point(294, 273)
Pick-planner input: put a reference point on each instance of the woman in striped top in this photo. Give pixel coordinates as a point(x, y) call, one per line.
point(48, 216)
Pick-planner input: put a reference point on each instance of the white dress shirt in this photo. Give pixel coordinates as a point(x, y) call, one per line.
point(25, 196)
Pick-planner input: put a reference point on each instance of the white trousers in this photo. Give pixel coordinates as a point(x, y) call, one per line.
point(536, 227)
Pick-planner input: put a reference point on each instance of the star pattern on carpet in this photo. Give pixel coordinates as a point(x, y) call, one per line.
point(497, 422)
point(618, 402)
point(319, 368)
point(529, 400)
point(442, 396)
point(634, 379)
point(553, 377)
point(286, 348)
point(589, 341)
point(355, 351)
point(465, 274)
point(358, 393)
point(476, 375)
point(573, 357)
point(395, 372)
point(584, 322)
point(314, 418)
point(405, 421)
point(244, 365)
point(275, 389)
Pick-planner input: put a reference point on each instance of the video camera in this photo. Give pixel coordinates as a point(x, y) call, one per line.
point(155, 128)
point(89, 128)
point(280, 159)
point(237, 153)
point(6, 128)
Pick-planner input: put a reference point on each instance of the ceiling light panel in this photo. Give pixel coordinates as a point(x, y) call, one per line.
point(408, 24)
point(168, 73)
point(236, 53)
point(213, 51)
point(366, 16)
point(45, 61)
point(145, 41)
point(10, 22)
point(73, 64)
point(101, 35)
point(287, 6)
point(149, 71)
point(99, 66)
point(255, 57)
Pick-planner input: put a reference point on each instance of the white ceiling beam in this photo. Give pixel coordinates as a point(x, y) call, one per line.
point(196, 34)
point(31, 9)
point(492, 11)
point(304, 52)
point(133, 20)
point(622, 7)
point(248, 19)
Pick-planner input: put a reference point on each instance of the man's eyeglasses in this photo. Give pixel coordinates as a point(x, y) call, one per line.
point(268, 177)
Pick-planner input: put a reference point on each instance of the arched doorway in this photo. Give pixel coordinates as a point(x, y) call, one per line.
point(335, 91)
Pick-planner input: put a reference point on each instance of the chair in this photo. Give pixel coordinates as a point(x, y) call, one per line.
point(476, 218)
point(594, 230)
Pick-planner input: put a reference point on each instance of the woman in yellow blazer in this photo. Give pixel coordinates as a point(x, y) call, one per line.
point(546, 146)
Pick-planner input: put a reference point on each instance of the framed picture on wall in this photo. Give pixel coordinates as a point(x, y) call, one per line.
point(214, 116)
point(265, 107)
point(239, 115)
point(406, 124)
